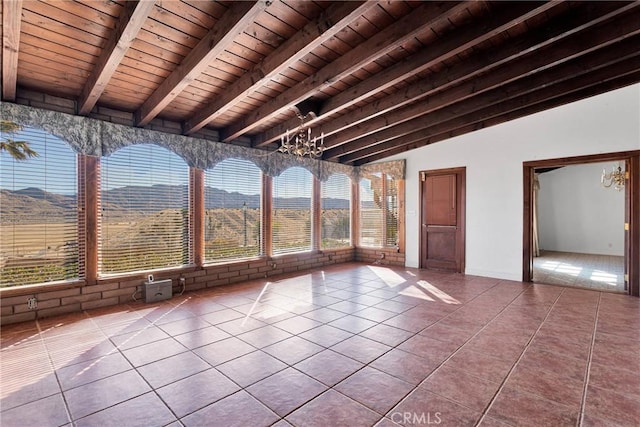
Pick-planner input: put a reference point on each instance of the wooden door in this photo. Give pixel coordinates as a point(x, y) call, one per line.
point(442, 220)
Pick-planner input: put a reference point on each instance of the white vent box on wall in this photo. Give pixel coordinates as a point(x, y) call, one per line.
point(157, 291)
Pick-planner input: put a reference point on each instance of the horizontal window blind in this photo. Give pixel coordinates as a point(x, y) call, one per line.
point(371, 211)
point(38, 208)
point(144, 197)
point(291, 218)
point(391, 211)
point(232, 198)
point(336, 211)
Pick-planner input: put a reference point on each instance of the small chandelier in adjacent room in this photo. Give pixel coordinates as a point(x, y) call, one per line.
point(616, 178)
point(301, 143)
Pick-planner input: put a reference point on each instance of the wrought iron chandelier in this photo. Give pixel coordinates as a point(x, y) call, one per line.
point(300, 143)
point(616, 178)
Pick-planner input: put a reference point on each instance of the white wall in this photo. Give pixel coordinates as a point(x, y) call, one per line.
point(493, 158)
point(577, 214)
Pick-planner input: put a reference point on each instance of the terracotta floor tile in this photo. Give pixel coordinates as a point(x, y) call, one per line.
point(347, 306)
point(264, 336)
point(365, 387)
point(481, 365)
point(241, 325)
point(406, 366)
point(625, 381)
point(329, 367)
point(293, 350)
point(459, 386)
point(368, 300)
point(196, 392)
point(19, 389)
point(420, 344)
point(297, 325)
point(447, 334)
point(140, 337)
point(101, 394)
point(497, 346)
point(238, 410)
point(625, 358)
point(83, 373)
point(615, 408)
point(201, 337)
point(222, 316)
point(326, 335)
point(386, 334)
point(184, 325)
point(324, 314)
point(395, 306)
point(361, 349)
point(537, 359)
point(423, 407)
point(519, 408)
point(575, 346)
point(154, 351)
point(49, 411)
point(223, 350)
point(251, 368)
point(145, 410)
point(333, 409)
point(548, 384)
point(286, 390)
point(375, 314)
point(353, 324)
point(409, 323)
point(172, 368)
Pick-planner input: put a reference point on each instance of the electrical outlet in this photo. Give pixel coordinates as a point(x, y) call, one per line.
point(32, 303)
point(274, 265)
point(381, 256)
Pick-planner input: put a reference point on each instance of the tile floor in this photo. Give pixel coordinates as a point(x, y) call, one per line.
point(352, 345)
point(602, 272)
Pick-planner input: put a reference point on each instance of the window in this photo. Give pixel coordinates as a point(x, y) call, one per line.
point(232, 196)
point(291, 219)
point(38, 208)
point(378, 211)
point(336, 211)
point(145, 210)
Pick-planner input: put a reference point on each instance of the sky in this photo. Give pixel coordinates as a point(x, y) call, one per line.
point(138, 165)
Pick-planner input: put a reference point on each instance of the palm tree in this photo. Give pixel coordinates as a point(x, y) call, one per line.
point(19, 150)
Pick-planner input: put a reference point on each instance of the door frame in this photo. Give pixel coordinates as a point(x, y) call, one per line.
point(461, 202)
point(632, 209)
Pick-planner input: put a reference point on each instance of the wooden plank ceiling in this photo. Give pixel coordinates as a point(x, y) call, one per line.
point(380, 77)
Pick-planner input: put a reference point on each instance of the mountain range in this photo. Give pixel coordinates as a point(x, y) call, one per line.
point(140, 199)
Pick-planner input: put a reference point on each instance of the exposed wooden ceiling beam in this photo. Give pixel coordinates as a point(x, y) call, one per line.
point(600, 66)
point(420, 61)
point(328, 24)
point(240, 15)
point(131, 20)
point(11, 18)
point(562, 27)
point(562, 51)
point(612, 84)
point(375, 47)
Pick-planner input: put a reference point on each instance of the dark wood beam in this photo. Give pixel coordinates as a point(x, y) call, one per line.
point(131, 20)
point(536, 61)
point(427, 57)
point(527, 105)
point(384, 42)
point(11, 19)
point(327, 25)
point(240, 15)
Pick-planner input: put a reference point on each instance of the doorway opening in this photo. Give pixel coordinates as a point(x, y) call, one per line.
point(577, 233)
point(578, 228)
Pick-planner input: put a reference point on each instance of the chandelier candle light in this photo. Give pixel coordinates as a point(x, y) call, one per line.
point(616, 178)
point(300, 143)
